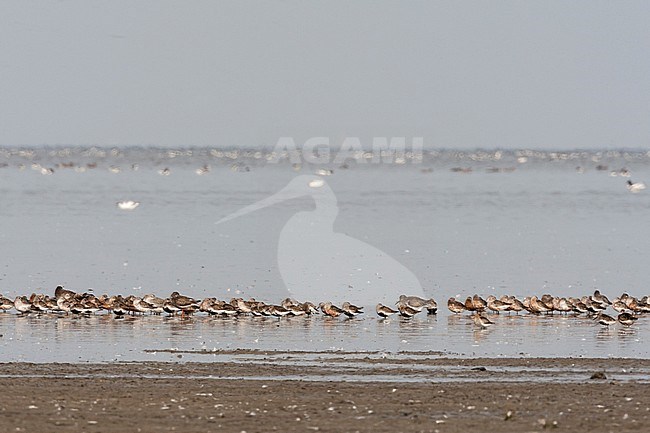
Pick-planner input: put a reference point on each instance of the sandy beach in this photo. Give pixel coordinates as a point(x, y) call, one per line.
point(508, 395)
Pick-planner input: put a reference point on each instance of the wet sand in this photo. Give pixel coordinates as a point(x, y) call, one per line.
point(261, 392)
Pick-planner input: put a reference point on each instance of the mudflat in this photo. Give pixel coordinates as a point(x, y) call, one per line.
point(265, 392)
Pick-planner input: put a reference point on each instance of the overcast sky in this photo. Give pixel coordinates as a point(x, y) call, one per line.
point(460, 74)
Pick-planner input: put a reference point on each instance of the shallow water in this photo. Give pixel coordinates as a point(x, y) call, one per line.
point(543, 228)
point(201, 338)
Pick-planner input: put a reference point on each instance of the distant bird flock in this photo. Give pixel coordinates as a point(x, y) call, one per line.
point(232, 156)
point(68, 302)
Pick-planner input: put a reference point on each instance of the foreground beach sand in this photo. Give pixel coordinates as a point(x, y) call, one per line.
point(461, 395)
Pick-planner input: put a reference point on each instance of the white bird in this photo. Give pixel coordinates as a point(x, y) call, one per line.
point(128, 204)
point(315, 260)
point(316, 183)
point(202, 170)
point(635, 186)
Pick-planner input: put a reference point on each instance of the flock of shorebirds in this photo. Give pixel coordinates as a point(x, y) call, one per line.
point(627, 307)
point(69, 302)
point(66, 301)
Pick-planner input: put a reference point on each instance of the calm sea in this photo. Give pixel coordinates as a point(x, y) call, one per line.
point(487, 222)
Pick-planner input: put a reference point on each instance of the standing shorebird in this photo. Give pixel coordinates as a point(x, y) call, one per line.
point(627, 319)
point(60, 292)
point(351, 310)
point(330, 310)
point(482, 321)
point(406, 311)
point(185, 304)
point(22, 304)
point(496, 305)
point(479, 303)
point(6, 304)
point(538, 306)
point(600, 298)
point(454, 306)
point(619, 306)
point(417, 303)
point(516, 305)
point(312, 256)
point(156, 303)
point(384, 311)
point(605, 319)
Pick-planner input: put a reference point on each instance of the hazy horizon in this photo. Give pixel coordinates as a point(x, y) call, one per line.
point(462, 75)
point(332, 150)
